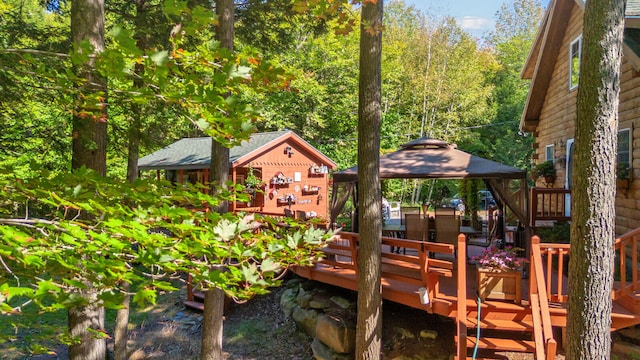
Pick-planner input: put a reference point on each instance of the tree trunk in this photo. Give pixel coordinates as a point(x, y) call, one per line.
point(89, 149)
point(593, 225)
point(89, 140)
point(211, 347)
point(80, 319)
point(133, 153)
point(120, 333)
point(212, 325)
point(369, 323)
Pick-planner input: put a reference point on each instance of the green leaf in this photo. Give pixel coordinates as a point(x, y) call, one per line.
point(143, 296)
point(268, 265)
point(160, 57)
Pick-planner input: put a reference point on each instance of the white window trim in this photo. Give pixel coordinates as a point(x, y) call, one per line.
point(553, 152)
point(579, 41)
point(630, 149)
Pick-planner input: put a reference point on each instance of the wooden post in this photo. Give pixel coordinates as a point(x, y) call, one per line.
point(533, 289)
point(461, 317)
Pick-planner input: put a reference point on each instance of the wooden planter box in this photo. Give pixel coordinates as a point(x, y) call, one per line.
point(499, 284)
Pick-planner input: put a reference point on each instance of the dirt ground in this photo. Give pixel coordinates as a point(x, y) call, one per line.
point(258, 329)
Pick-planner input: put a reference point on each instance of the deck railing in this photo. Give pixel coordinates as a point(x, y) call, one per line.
point(626, 252)
point(548, 204)
point(554, 257)
point(546, 345)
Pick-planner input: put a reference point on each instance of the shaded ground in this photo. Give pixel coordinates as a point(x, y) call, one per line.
point(259, 330)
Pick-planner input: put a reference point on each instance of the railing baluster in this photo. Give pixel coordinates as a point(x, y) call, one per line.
point(634, 261)
point(623, 265)
point(560, 272)
point(549, 272)
point(548, 204)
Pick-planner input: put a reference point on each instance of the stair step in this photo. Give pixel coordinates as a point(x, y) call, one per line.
point(198, 296)
point(498, 324)
point(195, 305)
point(502, 344)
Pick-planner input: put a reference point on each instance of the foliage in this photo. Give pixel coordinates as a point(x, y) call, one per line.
point(501, 259)
point(252, 180)
point(559, 233)
point(64, 231)
point(544, 169)
point(501, 140)
point(623, 171)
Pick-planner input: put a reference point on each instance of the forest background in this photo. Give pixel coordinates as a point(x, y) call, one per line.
point(438, 81)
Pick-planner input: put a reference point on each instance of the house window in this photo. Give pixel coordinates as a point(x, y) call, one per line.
point(574, 65)
point(624, 154)
point(549, 153)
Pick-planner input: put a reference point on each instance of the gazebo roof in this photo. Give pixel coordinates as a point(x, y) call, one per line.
point(429, 158)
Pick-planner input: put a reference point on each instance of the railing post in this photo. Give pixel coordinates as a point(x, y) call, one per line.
point(535, 241)
point(461, 317)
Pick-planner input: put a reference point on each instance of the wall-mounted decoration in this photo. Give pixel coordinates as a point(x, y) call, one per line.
point(297, 176)
point(321, 169)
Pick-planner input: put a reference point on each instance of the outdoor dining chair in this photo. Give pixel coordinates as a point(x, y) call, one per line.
point(447, 229)
point(416, 228)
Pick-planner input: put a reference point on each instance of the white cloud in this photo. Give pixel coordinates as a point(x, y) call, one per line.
point(475, 23)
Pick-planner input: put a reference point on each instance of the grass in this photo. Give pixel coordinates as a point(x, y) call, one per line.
point(252, 331)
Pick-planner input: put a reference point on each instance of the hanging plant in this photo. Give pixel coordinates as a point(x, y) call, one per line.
point(252, 181)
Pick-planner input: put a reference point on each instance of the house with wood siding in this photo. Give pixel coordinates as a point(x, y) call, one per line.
point(294, 174)
point(550, 110)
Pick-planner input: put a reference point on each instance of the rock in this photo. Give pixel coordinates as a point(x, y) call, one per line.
point(336, 333)
point(429, 334)
point(288, 301)
point(303, 298)
point(307, 319)
point(323, 352)
point(319, 303)
point(340, 301)
point(404, 333)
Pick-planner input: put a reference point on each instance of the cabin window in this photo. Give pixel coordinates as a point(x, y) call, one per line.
point(624, 154)
point(574, 65)
point(549, 153)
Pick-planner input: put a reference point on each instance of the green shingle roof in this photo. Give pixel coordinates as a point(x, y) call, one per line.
point(195, 153)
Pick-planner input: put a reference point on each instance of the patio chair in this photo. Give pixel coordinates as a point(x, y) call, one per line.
point(416, 228)
point(447, 229)
point(445, 211)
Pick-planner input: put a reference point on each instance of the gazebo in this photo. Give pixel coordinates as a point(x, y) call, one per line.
point(427, 158)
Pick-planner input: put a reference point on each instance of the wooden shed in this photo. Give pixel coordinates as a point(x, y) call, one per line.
point(294, 174)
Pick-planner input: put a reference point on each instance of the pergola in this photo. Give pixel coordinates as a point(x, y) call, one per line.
point(427, 158)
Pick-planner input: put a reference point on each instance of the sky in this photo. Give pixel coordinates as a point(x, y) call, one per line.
point(477, 17)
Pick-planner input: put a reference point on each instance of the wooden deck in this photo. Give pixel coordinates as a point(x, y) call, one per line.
point(451, 284)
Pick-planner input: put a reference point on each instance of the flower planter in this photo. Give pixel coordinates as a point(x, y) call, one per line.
point(498, 284)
